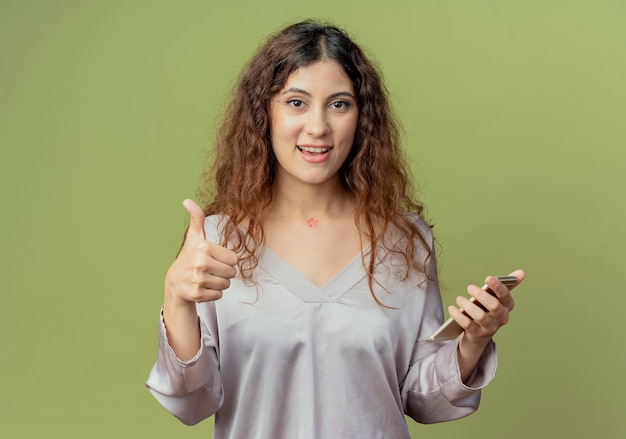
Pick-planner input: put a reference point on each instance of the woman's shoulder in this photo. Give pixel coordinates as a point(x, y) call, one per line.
point(424, 228)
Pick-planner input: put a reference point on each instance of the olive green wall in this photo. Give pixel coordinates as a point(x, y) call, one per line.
point(515, 116)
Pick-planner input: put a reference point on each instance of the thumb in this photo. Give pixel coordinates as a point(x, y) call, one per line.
point(196, 220)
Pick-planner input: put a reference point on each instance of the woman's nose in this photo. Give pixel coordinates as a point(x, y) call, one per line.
point(316, 123)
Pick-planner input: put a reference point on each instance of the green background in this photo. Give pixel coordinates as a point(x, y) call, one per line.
point(514, 114)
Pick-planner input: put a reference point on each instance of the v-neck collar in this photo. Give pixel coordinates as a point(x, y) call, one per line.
point(300, 286)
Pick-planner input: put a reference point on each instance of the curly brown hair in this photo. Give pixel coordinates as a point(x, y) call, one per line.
point(238, 185)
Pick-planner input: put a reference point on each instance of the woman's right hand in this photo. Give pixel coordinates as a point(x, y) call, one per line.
point(200, 273)
point(203, 269)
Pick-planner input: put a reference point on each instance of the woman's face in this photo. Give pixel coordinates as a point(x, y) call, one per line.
point(313, 124)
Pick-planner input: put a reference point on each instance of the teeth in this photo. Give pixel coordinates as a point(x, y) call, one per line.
point(311, 149)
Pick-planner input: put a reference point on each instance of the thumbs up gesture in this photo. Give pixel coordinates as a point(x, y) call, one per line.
point(203, 269)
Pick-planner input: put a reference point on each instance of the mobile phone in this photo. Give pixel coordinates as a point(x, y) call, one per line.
point(450, 329)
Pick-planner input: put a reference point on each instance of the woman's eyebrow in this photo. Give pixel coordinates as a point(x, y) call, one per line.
point(306, 93)
point(342, 93)
point(296, 90)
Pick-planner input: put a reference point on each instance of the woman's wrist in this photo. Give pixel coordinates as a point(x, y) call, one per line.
point(469, 352)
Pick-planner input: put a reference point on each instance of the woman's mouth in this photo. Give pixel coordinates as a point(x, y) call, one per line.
point(314, 154)
point(314, 149)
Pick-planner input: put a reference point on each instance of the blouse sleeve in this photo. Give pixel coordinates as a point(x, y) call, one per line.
point(433, 390)
point(190, 390)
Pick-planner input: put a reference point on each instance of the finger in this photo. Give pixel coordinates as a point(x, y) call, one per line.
point(473, 309)
point(520, 275)
point(206, 295)
point(224, 255)
point(460, 317)
point(485, 300)
point(486, 322)
point(214, 283)
point(205, 285)
point(196, 220)
point(503, 292)
point(497, 289)
point(205, 262)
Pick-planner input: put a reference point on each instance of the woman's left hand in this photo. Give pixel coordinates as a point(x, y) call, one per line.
point(482, 325)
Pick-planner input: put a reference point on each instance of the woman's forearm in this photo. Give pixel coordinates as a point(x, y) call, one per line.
point(182, 328)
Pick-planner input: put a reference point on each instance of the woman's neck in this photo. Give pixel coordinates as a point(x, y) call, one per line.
point(303, 201)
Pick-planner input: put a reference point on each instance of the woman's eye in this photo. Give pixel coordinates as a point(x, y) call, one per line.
point(296, 103)
point(340, 105)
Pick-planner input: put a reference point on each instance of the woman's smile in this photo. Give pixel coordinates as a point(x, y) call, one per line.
point(315, 154)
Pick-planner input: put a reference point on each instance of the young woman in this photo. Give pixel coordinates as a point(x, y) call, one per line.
point(304, 294)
